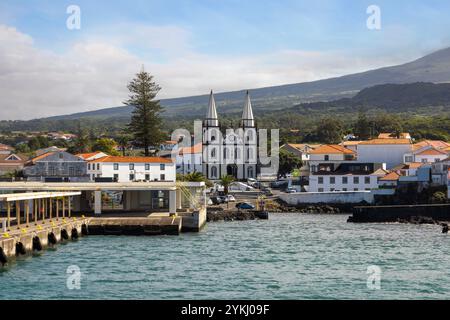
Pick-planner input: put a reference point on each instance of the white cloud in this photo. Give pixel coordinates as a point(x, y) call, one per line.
point(93, 73)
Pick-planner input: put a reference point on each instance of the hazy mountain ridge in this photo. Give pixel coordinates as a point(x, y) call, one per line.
point(433, 68)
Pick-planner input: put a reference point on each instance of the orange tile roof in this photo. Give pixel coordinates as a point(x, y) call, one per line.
point(415, 165)
point(386, 141)
point(5, 147)
point(42, 156)
point(191, 150)
point(351, 143)
point(392, 176)
point(431, 152)
point(437, 144)
point(332, 149)
point(116, 159)
point(87, 155)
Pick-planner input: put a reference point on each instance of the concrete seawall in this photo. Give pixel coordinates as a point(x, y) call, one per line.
point(440, 212)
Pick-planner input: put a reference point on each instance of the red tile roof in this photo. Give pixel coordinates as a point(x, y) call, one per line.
point(432, 152)
point(87, 155)
point(386, 141)
point(331, 149)
point(392, 176)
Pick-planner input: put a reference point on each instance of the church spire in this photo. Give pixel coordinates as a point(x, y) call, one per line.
point(247, 115)
point(211, 117)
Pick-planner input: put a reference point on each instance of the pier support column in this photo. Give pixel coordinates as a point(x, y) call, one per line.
point(172, 202)
point(98, 202)
point(179, 205)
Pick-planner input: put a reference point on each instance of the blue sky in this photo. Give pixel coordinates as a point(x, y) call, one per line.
point(192, 46)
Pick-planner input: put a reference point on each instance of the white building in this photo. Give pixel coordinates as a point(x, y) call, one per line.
point(389, 151)
point(428, 151)
point(349, 176)
point(128, 169)
point(328, 157)
point(234, 154)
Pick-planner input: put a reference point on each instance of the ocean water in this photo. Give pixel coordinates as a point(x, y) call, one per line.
point(290, 256)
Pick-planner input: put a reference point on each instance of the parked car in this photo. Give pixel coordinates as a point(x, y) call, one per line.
point(245, 206)
point(279, 184)
point(230, 198)
point(216, 200)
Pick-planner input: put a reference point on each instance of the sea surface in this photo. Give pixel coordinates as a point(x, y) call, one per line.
point(290, 256)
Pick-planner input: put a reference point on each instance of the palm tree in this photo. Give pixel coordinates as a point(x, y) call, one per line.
point(225, 181)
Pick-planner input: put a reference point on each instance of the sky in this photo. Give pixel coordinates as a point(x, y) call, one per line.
point(193, 46)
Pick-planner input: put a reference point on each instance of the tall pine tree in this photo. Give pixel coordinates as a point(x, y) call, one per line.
point(145, 125)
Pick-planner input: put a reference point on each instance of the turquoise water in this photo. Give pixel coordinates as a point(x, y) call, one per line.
point(288, 257)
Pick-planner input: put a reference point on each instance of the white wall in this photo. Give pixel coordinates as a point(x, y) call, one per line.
point(430, 158)
point(327, 197)
point(332, 157)
point(327, 186)
point(106, 170)
point(392, 154)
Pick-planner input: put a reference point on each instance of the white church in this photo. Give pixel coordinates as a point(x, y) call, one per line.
point(236, 152)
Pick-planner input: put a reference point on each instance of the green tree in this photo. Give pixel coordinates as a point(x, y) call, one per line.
point(288, 163)
point(329, 130)
point(439, 197)
point(105, 145)
point(145, 125)
point(81, 143)
point(362, 127)
point(226, 181)
point(388, 123)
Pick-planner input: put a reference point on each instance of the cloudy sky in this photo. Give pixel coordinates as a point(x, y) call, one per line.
point(192, 46)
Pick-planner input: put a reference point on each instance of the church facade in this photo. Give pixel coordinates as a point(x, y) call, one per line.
point(233, 152)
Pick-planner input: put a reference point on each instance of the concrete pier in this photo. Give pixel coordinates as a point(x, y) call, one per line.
point(440, 212)
point(135, 226)
point(28, 237)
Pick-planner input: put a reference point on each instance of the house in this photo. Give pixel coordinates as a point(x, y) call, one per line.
point(129, 169)
point(301, 150)
point(440, 171)
point(11, 163)
point(5, 149)
point(428, 151)
point(416, 172)
point(189, 159)
point(349, 176)
point(56, 166)
point(390, 151)
point(92, 155)
point(403, 135)
point(61, 136)
point(329, 156)
point(352, 145)
point(389, 181)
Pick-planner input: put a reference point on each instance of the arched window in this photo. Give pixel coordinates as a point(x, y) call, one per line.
point(250, 135)
point(225, 153)
point(213, 153)
point(238, 154)
point(250, 172)
point(213, 172)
